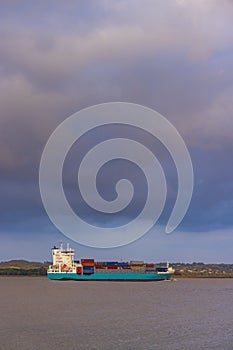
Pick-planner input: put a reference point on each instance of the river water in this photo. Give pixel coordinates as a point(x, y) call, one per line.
point(189, 314)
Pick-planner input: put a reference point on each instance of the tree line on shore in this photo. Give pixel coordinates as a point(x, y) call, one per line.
point(23, 268)
point(27, 268)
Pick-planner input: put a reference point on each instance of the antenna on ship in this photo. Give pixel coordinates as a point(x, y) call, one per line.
point(61, 245)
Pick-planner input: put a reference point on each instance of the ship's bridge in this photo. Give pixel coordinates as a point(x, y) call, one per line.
point(63, 256)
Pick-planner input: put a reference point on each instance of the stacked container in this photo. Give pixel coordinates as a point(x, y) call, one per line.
point(88, 262)
point(150, 267)
point(112, 265)
point(99, 265)
point(124, 265)
point(88, 266)
point(88, 270)
point(137, 265)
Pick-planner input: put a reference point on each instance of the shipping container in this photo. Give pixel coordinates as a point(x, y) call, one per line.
point(136, 263)
point(150, 265)
point(123, 263)
point(102, 263)
point(137, 268)
point(114, 267)
point(88, 267)
point(87, 261)
point(161, 269)
point(88, 264)
point(112, 263)
point(87, 270)
point(101, 267)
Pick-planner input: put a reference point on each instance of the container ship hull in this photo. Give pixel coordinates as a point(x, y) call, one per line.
point(64, 267)
point(136, 277)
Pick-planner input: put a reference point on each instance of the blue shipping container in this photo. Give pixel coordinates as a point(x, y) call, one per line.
point(162, 269)
point(88, 268)
point(88, 272)
point(112, 263)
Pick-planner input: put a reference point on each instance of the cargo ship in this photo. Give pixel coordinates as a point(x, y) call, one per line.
point(64, 267)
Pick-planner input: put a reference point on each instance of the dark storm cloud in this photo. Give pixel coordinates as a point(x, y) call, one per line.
point(174, 57)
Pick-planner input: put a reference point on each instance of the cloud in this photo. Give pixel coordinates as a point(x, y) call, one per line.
point(175, 57)
point(196, 30)
point(211, 128)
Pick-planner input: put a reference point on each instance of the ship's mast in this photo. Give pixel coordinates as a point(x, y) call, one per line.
point(61, 245)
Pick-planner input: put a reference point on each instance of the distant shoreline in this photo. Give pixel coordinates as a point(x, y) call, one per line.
point(175, 278)
point(182, 270)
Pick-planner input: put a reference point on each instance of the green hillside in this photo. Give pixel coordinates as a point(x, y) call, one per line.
point(23, 267)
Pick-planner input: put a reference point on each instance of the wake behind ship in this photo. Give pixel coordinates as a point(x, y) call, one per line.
point(66, 268)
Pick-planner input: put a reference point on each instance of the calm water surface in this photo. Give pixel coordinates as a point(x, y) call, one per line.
point(190, 314)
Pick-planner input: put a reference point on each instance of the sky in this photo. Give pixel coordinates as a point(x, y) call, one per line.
point(175, 57)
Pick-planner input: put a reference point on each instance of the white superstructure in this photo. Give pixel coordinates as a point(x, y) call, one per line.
point(63, 260)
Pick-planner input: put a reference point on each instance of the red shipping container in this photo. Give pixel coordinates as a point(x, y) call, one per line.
point(88, 264)
point(114, 267)
point(87, 261)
